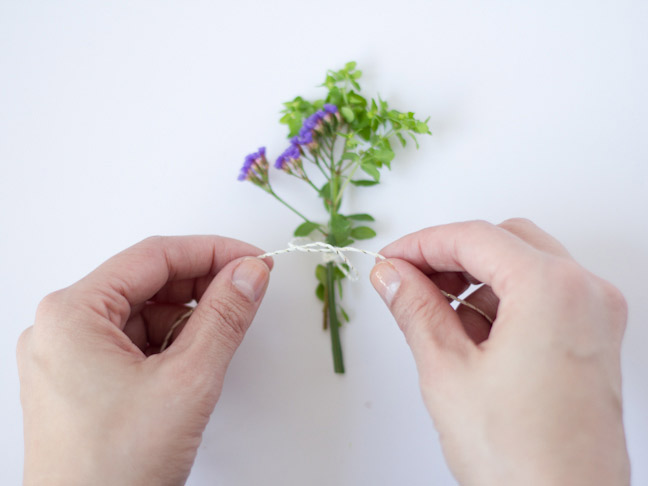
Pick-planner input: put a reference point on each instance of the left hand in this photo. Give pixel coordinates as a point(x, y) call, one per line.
point(101, 405)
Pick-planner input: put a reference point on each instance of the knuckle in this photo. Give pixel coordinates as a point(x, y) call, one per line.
point(417, 316)
point(516, 223)
point(414, 311)
point(615, 302)
point(152, 240)
point(471, 229)
point(477, 224)
point(230, 318)
point(151, 243)
point(51, 304)
point(567, 275)
point(23, 344)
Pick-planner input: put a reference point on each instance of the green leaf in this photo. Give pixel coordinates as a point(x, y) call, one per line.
point(319, 291)
point(344, 314)
point(364, 183)
point(384, 156)
point(370, 169)
point(347, 113)
point(421, 127)
point(334, 96)
point(306, 228)
point(350, 156)
point(294, 125)
point(325, 191)
point(320, 274)
point(362, 233)
point(365, 133)
point(350, 66)
point(356, 99)
point(361, 217)
point(401, 139)
point(352, 143)
point(414, 138)
point(340, 230)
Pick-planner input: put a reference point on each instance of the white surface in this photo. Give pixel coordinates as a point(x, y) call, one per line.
point(120, 121)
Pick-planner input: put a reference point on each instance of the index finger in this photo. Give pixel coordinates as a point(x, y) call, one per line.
point(139, 272)
point(487, 252)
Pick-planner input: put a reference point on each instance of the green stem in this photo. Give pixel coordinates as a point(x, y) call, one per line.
point(334, 324)
point(346, 183)
point(315, 161)
point(331, 148)
point(293, 209)
point(289, 206)
point(312, 185)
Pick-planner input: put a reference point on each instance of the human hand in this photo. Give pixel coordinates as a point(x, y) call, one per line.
point(100, 406)
point(536, 399)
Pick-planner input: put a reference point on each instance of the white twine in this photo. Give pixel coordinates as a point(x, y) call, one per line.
point(336, 254)
point(330, 253)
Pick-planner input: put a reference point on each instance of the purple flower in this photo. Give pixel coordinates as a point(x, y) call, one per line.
point(304, 130)
point(291, 158)
point(310, 123)
point(255, 168)
point(290, 161)
point(306, 138)
point(331, 113)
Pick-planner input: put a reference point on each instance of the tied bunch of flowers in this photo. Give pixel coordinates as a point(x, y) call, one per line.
point(331, 139)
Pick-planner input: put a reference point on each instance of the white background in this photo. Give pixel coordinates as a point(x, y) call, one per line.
point(119, 120)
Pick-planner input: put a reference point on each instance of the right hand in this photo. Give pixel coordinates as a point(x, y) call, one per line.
point(534, 399)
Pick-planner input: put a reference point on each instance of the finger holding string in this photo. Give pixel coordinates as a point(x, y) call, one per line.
point(165, 316)
point(477, 326)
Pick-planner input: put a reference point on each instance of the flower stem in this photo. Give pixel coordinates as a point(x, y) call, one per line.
point(274, 194)
point(312, 185)
point(345, 184)
point(289, 206)
point(334, 324)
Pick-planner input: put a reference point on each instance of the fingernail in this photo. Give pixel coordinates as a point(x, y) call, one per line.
point(386, 279)
point(250, 278)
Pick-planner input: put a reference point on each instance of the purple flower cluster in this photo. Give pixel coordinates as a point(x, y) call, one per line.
point(290, 159)
point(255, 168)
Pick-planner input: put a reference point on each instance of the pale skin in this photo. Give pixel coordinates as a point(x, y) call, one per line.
point(534, 399)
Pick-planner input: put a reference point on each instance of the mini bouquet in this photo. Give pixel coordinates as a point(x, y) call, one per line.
point(333, 141)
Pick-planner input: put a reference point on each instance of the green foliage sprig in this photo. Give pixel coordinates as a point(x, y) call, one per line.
point(332, 141)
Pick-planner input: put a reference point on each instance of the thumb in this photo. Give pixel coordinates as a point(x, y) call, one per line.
point(218, 324)
point(430, 325)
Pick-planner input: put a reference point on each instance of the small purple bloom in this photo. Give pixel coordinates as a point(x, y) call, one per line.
point(310, 123)
point(329, 108)
point(255, 168)
point(306, 138)
point(290, 160)
point(281, 161)
point(303, 131)
point(293, 152)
